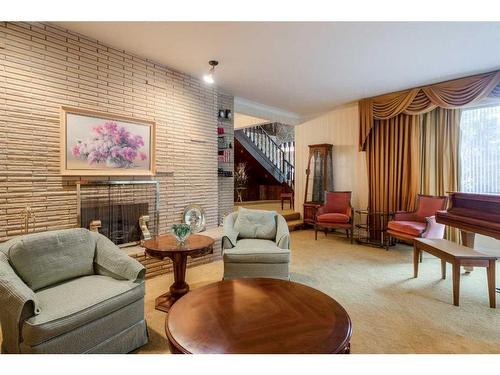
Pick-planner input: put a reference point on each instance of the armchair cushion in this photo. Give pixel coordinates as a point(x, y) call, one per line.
point(411, 228)
point(333, 218)
point(256, 251)
point(111, 261)
point(69, 305)
point(428, 205)
point(337, 202)
point(43, 259)
point(259, 224)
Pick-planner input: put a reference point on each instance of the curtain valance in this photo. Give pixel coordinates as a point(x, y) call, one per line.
point(450, 94)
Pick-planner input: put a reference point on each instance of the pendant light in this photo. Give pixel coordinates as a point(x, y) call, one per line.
point(209, 78)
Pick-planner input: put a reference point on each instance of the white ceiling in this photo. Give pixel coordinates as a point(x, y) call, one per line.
point(308, 68)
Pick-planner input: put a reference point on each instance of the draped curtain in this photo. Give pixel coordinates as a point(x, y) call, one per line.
point(450, 94)
point(392, 152)
point(439, 169)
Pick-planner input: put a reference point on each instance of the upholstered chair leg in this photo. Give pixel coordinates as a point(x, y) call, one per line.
point(315, 232)
point(352, 236)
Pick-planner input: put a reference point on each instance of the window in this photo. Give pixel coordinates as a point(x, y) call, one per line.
point(480, 150)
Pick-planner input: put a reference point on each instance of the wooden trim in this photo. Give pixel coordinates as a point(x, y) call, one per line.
point(65, 110)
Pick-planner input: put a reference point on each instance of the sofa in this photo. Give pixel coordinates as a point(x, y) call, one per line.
point(70, 291)
point(256, 243)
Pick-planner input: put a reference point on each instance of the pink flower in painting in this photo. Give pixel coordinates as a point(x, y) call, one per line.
point(111, 144)
point(75, 150)
point(128, 153)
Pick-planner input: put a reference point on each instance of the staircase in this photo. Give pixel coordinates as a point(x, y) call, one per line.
point(277, 160)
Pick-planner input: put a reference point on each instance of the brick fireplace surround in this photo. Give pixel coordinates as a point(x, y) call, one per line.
point(43, 67)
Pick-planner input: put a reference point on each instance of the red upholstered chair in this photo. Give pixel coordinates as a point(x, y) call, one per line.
point(336, 213)
point(418, 224)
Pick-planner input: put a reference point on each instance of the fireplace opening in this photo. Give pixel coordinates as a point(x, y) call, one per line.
point(124, 211)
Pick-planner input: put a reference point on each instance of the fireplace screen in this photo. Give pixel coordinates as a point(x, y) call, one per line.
point(124, 211)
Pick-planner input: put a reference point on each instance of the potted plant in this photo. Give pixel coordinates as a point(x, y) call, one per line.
point(240, 180)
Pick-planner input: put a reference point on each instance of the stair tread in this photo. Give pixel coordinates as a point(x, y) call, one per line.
point(292, 225)
point(292, 216)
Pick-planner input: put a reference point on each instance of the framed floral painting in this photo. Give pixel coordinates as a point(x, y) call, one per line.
point(103, 144)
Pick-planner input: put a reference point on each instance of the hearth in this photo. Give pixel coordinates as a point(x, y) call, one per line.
point(124, 211)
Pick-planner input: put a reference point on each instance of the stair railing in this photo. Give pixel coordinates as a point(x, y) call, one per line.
point(282, 157)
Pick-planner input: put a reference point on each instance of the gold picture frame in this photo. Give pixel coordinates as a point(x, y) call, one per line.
point(97, 143)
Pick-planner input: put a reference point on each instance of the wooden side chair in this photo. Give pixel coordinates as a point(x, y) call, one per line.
point(336, 213)
point(287, 195)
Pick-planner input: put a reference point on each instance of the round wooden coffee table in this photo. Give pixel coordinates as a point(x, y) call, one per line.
point(258, 316)
point(165, 246)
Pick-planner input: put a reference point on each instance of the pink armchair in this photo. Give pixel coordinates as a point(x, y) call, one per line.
point(418, 224)
point(335, 213)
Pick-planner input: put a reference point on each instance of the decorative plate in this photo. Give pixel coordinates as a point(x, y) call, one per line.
point(194, 215)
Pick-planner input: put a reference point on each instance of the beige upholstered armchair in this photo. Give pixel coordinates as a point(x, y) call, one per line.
point(70, 291)
point(256, 243)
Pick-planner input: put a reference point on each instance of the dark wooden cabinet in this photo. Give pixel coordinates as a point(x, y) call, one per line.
point(320, 171)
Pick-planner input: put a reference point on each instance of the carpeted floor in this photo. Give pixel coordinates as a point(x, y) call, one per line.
point(391, 312)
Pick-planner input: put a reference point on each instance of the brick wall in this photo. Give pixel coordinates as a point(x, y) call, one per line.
point(43, 67)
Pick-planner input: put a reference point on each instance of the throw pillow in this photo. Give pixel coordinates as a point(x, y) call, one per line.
point(259, 224)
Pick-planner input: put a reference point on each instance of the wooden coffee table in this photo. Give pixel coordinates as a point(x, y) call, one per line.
point(165, 246)
point(258, 316)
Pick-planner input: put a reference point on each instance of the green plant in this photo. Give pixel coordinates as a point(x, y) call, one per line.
point(240, 175)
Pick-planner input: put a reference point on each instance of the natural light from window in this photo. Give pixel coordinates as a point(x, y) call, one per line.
point(480, 150)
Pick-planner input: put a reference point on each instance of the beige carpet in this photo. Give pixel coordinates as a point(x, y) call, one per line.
point(391, 312)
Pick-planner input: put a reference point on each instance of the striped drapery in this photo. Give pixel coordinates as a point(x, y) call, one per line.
point(393, 158)
point(450, 94)
point(439, 159)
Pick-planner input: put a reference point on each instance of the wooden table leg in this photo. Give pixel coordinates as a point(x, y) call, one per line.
point(491, 283)
point(416, 259)
point(456, 283)
point(178, 288)
point(443, 269)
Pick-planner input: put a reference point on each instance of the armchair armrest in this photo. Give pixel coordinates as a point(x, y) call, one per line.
point(230, 234)
point(18, 303)
point(433, 229)
point(349, 212)
point(405, 216)
point(110, 261)
point(282, 233)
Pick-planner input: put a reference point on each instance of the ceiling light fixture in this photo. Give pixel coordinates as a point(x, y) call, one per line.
point(209, 78)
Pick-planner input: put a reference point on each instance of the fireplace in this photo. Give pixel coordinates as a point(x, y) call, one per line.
point(124, 211)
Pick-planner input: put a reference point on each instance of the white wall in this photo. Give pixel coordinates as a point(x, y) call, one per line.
point(244, 121)
point(339, 127)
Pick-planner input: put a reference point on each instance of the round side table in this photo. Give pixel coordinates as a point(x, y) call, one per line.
point(165, 246)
